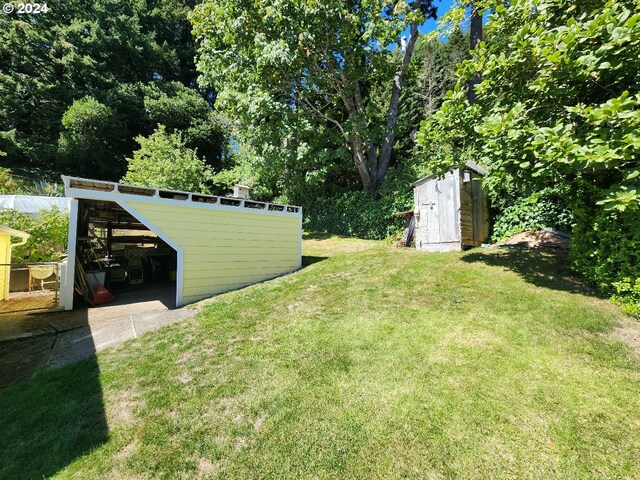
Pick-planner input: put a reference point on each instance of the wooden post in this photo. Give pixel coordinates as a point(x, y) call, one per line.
point(109, 238)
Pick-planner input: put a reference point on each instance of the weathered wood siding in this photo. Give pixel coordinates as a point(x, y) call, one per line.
point(466, 210)
point(474, 211)
point(480, 214)
point(224, 250)
point(437, 207)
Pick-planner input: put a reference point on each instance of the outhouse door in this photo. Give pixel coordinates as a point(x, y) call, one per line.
point(430, 208)
point(445, 225)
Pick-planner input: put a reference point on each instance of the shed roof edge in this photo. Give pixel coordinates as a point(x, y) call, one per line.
point(110, 191)
point(468, 165)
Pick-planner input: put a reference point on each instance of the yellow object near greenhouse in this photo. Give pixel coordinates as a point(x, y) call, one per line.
point(6, 234)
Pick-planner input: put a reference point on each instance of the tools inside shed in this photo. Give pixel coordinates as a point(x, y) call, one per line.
point(117, 254)
point(91, 273)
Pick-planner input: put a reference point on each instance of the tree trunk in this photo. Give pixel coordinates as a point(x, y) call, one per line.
point(476, 38)
point(373, 166)
point(384, 157)
point(360, 145)
point(360, 159)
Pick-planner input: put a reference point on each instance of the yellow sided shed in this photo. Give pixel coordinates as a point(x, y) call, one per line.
point(6, 234)
point(221, 243)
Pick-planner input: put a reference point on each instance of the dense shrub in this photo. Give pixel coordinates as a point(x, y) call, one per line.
point(544, 209)
point(8, 183)
point(628, 295)
point(354, 214)
point(606, 249)
point(49, 233)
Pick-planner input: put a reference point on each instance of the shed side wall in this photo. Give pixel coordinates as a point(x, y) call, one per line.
point(4, 270)
point(474, 212)
point(466, 212)
point(480, 214)
point(226, 250)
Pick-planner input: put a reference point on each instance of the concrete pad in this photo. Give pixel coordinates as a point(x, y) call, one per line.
point(132, 300)
point(55, 339)
point(153, 321)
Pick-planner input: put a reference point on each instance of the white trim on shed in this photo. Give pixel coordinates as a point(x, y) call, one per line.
point(139, 201)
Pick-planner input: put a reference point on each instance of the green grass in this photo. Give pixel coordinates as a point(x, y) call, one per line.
point(371, 362)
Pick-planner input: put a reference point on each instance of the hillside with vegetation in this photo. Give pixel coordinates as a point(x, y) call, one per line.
point(80, 83)
point(339, 106)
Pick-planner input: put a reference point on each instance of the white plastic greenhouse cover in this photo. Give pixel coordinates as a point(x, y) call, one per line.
point(33, 204)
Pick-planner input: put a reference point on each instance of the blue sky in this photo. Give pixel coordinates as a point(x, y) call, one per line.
point(443, 7)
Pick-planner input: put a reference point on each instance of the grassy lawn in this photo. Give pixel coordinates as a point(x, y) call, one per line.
point(371, 362)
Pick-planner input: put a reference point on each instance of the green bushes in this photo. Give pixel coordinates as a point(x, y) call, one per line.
point(164, 161)
point(628, 295)
point(544, 209)
point(605, 246)
point(49, 233)
point(606, 249)
point(357, 214)
point(354, 214)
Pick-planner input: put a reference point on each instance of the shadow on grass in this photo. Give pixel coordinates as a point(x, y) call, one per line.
point(543, 268)
point(49, 416)
point(310, 260)
point(316, 235)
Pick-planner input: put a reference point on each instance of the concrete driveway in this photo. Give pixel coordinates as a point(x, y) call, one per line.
point(29, 342)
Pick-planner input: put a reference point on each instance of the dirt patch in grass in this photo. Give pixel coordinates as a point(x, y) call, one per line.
point(257, 423)
point(121, 410)
point(628, 331)
point(127, 450)
point(206, 468)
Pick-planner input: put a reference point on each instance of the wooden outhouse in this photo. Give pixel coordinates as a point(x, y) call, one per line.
point(451, 212)
point(6, 234)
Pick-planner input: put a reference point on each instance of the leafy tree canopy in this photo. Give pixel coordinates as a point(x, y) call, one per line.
point(164, 161)
point(80, 82)
point(559, 100)
point(285, 68)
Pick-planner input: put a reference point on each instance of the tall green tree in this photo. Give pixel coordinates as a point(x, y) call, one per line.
point(279, 64)
point(118, 54)
point(165, 161)
point(90, 131)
